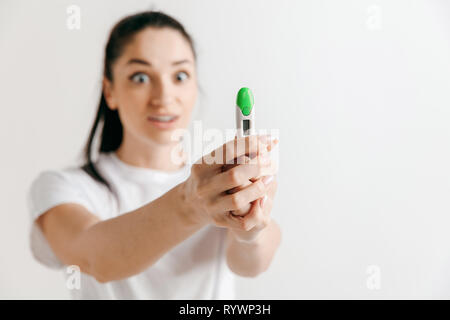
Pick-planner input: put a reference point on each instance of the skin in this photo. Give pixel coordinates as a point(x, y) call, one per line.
point(163, 80)
point(156, 74)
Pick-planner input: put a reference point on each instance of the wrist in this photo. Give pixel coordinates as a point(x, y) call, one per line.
point(187, 210)
point(248, 237)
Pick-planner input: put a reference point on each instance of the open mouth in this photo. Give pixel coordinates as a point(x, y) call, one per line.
point(163, 121)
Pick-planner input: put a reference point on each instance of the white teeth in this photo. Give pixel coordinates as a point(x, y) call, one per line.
point(164, 118)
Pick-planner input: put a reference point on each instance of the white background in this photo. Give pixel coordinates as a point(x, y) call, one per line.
point(360, 91)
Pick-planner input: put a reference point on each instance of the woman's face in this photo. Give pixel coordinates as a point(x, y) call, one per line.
point(155, 76)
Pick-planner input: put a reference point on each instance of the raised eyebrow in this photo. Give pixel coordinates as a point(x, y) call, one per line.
point(181, 62)
point(141, 61)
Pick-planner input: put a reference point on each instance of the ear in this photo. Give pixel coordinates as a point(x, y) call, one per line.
point(108, 93)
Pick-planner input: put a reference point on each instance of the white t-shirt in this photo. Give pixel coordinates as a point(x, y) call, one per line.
point(194, 269)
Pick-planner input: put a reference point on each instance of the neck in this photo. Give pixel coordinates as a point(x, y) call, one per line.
point(153, 156)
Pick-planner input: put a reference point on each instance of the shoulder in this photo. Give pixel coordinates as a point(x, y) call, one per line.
point(74, 177)
point(70, 178)
point(49, 189)
point(53, 187)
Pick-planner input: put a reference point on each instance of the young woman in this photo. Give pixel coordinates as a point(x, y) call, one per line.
point(137, 224)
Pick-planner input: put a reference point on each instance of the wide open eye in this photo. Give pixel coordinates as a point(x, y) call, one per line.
point(182, 76)
point(140, 77)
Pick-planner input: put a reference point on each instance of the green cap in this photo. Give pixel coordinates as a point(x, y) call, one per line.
point(245, 101)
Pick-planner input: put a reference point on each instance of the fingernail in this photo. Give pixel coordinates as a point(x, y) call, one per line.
point(267, 179)
point(263, 201)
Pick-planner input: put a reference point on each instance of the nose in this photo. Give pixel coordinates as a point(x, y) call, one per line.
point(162, 93)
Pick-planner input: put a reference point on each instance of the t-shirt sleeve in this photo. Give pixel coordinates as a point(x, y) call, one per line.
point(49, 189)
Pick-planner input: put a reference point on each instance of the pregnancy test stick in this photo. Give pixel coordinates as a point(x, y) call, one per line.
point(245, 113)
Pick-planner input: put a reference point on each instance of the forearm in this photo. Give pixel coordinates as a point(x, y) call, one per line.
point(128, 244)
point(251, 259)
